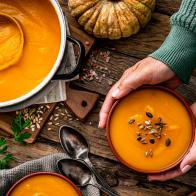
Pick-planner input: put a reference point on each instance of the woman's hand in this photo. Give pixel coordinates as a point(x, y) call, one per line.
point(146, 71)
point(188, 162)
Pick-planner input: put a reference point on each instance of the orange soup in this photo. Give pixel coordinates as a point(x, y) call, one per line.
point(44, 185)
point(150, 129)
point(42, 35)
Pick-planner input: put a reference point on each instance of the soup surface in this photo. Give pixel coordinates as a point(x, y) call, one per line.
point(44, 185)
point(150, 129)
point(42, 37)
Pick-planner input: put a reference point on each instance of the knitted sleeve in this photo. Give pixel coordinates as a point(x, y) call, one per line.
point(179, 49)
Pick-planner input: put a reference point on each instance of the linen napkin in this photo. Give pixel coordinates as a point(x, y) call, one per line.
point(45, 164)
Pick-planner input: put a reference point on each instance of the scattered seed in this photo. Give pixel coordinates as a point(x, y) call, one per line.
point(149, 115)
point(87, 43)
point(51, 117)
point(168, 142)
point(38, 126)
point(49, 123)
point(49, 129)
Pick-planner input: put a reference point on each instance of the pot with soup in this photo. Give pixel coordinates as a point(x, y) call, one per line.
point(151, 129)
point(43, 29)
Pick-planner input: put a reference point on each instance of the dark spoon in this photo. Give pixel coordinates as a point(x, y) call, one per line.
point(80, 174)
point(77, 147)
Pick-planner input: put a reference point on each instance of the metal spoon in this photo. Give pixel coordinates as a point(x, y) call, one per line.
point(77, 147)
point(79, 173)
point(11, 52)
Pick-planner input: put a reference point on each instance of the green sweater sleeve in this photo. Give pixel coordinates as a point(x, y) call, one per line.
point(179, 49)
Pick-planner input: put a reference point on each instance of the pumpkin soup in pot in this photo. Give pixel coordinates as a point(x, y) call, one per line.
point(42, 38)
point(151, 129)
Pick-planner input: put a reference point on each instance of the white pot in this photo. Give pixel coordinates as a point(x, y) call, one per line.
point(58, 63)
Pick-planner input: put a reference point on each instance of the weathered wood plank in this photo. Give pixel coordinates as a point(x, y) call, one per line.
point(117, 65)
point(167, 7)
point(95, 137)
point(145, 42)
point(127, 183)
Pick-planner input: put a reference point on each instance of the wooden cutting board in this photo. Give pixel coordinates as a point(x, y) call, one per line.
point(75, 105)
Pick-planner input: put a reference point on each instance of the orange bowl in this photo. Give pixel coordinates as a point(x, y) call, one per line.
point(175, 163)
point(43, 173)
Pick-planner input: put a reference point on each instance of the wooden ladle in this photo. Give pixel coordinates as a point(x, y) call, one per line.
point(11, 41)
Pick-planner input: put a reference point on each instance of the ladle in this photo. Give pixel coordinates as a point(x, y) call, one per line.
point(11, 41)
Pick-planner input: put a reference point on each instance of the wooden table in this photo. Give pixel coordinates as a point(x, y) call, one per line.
point(122, 53)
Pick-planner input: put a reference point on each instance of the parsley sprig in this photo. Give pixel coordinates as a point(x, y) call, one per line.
point(18, 126)
point(4, 162)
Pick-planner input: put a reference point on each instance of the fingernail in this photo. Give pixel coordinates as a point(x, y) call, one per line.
point(115, 92)
point(186, 169)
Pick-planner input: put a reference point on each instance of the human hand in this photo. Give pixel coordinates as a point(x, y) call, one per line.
point(146, 71)
point(187, 163)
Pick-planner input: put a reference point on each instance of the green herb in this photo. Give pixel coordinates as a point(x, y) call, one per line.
point(4, 162)
point(167, 142)
point(18, 126)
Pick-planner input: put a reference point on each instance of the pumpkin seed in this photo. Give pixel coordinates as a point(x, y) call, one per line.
point(139, 138)
point(131, 121)
point(152, 140)
point(149, 115)
point(168, 142)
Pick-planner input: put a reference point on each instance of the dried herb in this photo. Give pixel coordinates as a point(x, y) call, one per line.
point(4, 162)
point(18, 126)
point(167, 142)
point(148, 114)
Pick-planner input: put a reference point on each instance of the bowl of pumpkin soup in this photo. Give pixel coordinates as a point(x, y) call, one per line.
point(37, 29)
point(151, 129)
point(44, 183)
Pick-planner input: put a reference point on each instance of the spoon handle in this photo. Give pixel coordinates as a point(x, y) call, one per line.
point(98, 176)
point(105, 190)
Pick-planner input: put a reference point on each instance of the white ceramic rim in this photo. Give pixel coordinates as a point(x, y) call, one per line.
point(61, 18)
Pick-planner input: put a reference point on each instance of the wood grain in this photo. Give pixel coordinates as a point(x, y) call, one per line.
point(126, 182)
point(127, 52)
point(168, 7)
